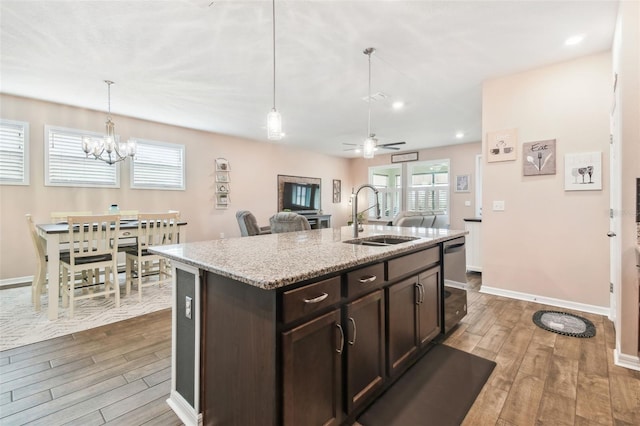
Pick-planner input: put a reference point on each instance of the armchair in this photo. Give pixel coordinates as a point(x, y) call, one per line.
point(249, 225)
point(288, 222)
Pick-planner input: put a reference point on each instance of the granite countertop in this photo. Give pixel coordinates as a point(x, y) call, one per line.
point(276, 260)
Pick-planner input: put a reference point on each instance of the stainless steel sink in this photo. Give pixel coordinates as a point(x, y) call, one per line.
point(381, 240)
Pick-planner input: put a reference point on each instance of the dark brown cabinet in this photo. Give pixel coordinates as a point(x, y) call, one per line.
point(413, 317)
point(365, 349)
point(312, 372)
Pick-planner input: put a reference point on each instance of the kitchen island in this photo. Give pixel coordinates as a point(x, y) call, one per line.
point(302, 327)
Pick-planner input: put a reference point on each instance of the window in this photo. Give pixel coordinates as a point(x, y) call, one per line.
point(428, 188)
point(66, 164)
point(14, 152)
point(158, 165)
point(388, 181)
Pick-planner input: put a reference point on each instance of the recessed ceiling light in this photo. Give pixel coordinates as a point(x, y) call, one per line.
point(459, 135)
point(397, 105)
point(573, 40)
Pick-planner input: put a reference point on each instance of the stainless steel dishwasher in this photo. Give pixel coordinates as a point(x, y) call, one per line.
point(455, 281)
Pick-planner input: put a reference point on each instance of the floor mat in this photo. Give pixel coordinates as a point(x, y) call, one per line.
point(438, 390)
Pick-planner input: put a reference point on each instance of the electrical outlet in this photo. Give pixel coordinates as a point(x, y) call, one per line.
point(467, 203)
point(498, 206)
point(187, 307)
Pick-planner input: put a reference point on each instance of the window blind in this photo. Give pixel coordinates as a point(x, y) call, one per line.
point(67, 165)
point(14, 152)
point(158, 165)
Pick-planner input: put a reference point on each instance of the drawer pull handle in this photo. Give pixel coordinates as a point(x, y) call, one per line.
point(126, 233)
point(341, 339)
point(368, 279)
point(316, 299)
point(353, 341)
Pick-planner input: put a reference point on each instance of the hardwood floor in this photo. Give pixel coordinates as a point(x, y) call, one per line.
point(120, 373)
point(543, 378)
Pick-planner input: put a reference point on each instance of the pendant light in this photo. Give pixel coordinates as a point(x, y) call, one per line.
point(274, 120)
point(369, 145)
point(109, 148)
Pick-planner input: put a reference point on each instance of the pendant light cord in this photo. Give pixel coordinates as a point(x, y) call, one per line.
point(273, 9)
point(109, 83)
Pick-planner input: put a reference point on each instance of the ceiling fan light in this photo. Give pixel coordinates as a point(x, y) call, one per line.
point(274, 125)
point(368, 148)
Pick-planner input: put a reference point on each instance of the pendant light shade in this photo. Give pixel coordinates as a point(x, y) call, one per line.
point(369, 147)
point(274, 119)
point(274, 125)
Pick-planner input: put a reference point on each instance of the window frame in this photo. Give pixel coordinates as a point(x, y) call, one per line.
point(26, 170)
point(77, 183)
point(183, 166)
point(393, 190)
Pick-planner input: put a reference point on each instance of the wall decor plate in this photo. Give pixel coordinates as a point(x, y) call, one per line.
point(539, 158)
point(583, 172)
point(501, 145)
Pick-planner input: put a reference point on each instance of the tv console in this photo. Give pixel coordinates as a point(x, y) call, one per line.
point(317, 221)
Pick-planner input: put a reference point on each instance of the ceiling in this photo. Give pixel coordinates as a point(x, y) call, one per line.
point(207, 65)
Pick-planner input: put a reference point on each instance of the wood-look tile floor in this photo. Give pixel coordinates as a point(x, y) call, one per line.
point(119, 374)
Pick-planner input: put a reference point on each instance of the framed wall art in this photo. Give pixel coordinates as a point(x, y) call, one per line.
point(337, 190)
point(501, 145)
point(407, 156)
point(583, 172)
point(463, 183)
point(539, 158)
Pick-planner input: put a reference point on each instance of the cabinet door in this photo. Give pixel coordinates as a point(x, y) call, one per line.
point(401, 323)
point(429, 305)
point(312, 372)
point(365, 350)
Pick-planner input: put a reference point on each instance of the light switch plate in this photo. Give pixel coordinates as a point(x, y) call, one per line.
point(467, 203)
point(498, 206)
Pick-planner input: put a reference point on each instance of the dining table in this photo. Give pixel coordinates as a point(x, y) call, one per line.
point(56, 234)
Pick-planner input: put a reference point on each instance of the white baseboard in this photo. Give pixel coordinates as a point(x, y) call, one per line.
point(627, 361)
point(184, 410)
point(456, 284)
point(582, 307)
point(16, 282)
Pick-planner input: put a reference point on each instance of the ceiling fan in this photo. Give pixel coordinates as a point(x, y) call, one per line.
point(358, 147)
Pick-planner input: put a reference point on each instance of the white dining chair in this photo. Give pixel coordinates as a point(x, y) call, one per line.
point(154, 229)
point(94, 250)
point(39, 283)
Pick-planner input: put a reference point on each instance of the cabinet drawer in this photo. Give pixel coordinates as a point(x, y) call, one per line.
point(365, 279)
point(412, 262)
point(311, 298)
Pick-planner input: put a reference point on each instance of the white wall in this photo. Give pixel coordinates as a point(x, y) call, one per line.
point(254, 170)
point(549, 242)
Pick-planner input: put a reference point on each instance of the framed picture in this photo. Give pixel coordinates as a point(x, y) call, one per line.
point(539, 158)
point(400, 158)
point(463, 183)
point(337, 190)
point(223, 198)
point(501, 145)
point(222, 177)
point(222, 164)
point(583, 172)
point(222, 187)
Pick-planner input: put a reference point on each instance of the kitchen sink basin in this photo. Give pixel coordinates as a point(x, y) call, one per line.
point(381, 240)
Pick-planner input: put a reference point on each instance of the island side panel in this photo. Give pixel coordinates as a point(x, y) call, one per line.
point(185, 336)
point(239, 353)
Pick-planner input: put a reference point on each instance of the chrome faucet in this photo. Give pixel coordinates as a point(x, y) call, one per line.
point(354, 212)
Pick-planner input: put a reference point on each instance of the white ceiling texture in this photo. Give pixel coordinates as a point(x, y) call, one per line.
point(207, 65)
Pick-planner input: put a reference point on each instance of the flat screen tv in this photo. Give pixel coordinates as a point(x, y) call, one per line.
point(301, 197)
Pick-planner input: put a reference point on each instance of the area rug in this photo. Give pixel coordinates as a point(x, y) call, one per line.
point(438, 390)
point(564, 323)
point(20, 324)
